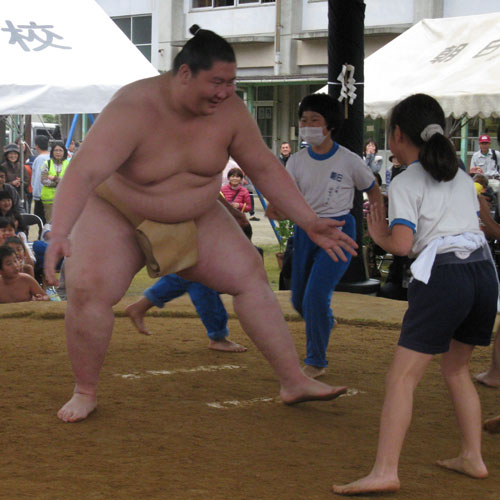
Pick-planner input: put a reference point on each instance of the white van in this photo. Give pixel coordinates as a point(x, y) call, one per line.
point(39, 128)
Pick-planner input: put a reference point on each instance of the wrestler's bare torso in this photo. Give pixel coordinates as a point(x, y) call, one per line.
point(173, 173)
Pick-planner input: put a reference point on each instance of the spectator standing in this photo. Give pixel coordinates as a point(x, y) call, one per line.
point(235, 193)
point(370, 158)
point(52, 172)
point(486, 161)
point(285, 152)
point(42, 149)
point(13, 169)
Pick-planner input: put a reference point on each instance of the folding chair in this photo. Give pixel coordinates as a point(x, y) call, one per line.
point(31, 220)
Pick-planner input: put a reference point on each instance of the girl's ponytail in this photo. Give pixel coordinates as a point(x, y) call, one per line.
point(422, 119)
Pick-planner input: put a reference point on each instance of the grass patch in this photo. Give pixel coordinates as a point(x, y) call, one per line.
point(142, 281)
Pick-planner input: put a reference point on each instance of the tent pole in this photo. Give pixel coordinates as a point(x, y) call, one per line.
point(21, 157)
point(464, 134)
point(72, 130)
point(84, 126)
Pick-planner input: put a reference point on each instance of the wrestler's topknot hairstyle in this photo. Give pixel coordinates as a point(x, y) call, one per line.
point(328, 107)
point(203, 50)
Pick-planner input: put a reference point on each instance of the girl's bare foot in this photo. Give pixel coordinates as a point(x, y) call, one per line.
point(487, 379)
point(79, 407)
point(226, 345)
point(492, 425)
point(469, 467)
point(367, 485)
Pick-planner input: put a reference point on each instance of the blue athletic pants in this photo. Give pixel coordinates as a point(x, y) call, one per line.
point(314, 278)
point(206, 301)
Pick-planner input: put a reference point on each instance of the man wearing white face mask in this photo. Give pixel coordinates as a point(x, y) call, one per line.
point(327, 175)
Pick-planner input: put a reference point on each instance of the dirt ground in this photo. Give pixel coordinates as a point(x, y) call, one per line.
point(176, 421)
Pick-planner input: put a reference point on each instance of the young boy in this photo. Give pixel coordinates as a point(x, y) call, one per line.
point(16, 286)
point(22, 254)
point(7, 229)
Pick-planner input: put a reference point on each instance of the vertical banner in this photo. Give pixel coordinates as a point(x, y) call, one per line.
point(346, 53)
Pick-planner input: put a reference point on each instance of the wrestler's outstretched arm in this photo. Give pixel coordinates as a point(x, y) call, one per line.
point(267, 173)
point(109, 143)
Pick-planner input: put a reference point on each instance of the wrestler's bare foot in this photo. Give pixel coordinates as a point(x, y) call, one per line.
point(487, 379)
point(311, 390)
point(492, 425)
point(226, 345)
point(313, 371)
point(79, 407)
point(367, 485)
point(136, 313)
point(469, 467)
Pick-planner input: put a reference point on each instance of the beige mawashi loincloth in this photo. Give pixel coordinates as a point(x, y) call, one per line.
point(168, 248)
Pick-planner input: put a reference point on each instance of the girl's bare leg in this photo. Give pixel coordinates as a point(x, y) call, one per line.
point(404, 374)
point(455, 368)
point(491, 377)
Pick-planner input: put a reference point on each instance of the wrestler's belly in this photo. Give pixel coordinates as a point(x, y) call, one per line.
point(173, 200)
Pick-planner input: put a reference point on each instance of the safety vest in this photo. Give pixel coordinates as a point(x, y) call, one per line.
point(49, 193)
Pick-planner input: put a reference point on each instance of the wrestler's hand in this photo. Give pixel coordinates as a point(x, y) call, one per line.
point(59, 246)
point(326, 234)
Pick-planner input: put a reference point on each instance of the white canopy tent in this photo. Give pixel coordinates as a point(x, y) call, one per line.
point(63, 57)
point(456, 60)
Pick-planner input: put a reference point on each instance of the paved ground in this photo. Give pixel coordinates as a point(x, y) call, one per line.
point(263, 233)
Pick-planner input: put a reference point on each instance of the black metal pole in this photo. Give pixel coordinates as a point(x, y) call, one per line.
point(346, 19)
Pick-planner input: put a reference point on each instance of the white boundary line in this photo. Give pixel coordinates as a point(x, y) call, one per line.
point(209, 368)
point(234, 404)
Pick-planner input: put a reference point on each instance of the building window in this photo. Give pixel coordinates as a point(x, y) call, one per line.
point(264, 118)
point(138, 30)
point(213, 4)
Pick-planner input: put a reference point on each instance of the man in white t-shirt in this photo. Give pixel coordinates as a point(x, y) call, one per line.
point(42, 149)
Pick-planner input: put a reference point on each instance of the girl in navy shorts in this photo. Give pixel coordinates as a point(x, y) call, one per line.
point(452, 298)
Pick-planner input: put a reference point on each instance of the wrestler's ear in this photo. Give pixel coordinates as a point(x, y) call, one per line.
point(184, 73)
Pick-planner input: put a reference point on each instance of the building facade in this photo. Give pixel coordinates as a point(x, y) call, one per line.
point(280, 45)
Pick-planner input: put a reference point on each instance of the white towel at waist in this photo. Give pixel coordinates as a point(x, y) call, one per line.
point(461, 244)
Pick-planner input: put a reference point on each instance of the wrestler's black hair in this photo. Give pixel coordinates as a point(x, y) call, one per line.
point(328, 107)
point(235, 171)
point(5, 252)
point(437, 155)
point(203, 50)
